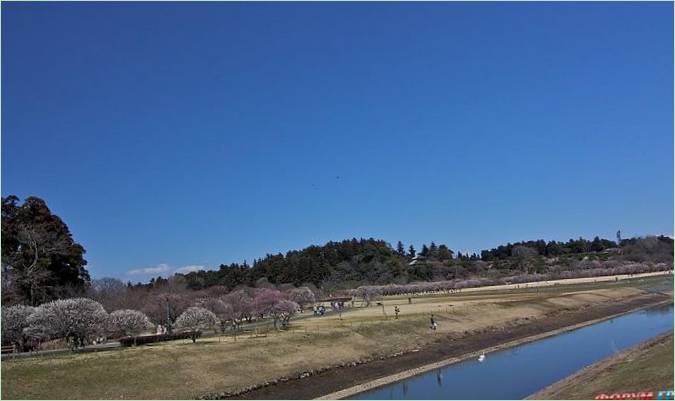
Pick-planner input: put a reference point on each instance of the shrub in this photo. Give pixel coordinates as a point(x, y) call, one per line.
point(140, 340)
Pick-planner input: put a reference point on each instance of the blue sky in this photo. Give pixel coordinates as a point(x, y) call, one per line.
point(178, 135)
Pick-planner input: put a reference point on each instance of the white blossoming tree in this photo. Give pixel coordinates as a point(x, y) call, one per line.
point(127, 322)
point(303, 296)
point(223, 310)
point(196, 318)
point(283, 311)
point(14, 321)
point(77, 320)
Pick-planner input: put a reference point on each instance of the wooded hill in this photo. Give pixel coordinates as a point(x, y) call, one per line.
point(350, 263)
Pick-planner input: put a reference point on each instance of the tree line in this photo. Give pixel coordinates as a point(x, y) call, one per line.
point(81, 321)
point(42, 262)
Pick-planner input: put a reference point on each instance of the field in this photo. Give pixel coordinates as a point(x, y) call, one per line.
point(182, 370)
point(646, 367)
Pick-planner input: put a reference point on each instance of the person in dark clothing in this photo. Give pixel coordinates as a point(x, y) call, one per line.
point(433, 322)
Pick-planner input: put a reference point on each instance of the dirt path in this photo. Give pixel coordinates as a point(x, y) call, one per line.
point(337, 379)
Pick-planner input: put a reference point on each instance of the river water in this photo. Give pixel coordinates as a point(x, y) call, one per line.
point(517, 372)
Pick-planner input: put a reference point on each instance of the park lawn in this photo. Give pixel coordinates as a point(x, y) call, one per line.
point(645, 367)
point(183, 370)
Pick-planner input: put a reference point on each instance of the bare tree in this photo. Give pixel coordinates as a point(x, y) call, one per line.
point(29, 263)
point(110, 292)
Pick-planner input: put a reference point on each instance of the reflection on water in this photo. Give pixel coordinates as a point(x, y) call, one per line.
point(518, 372)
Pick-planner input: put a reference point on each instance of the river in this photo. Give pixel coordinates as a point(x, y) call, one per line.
point(517, 372)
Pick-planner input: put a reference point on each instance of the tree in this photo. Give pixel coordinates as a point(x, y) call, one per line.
point(39, 256)
point(283, 311)
point(411, 251)
point(433, 250)
point(164, 308)
point(242, 306)
point(110, 292)
point(425, 251)
point(263, 282)
point(195, 319)
point(265, 299)
point(400, 250)
point(14, 321)
point(368, 293)
point(597, 245)
point(444, 253)
point(76, 319)
point(223, 310)
point(127, 322)
point(525, 256)
point(303, 296)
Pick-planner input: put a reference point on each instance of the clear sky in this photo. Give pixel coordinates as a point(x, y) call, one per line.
point(177, 135)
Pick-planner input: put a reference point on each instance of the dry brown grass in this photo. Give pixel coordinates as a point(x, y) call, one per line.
point(181, 369)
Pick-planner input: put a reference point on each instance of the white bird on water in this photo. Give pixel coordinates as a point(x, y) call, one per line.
point(481, 358)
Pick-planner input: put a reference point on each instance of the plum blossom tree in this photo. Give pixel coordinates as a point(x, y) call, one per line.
point(164, 308)
point(265, 299)
point(242, 307)
point(368, 293)
point(283, 311)
point(223, 310)
point(128, 322)
point(303, 296)
point(196, 318)
point(76, 319)
point(14, 321)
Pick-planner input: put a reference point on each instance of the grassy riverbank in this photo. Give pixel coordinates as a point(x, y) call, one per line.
point(645, 367)
point(184, 370)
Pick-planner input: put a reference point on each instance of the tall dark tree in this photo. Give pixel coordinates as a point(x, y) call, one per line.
point(400, 249)
point(411, 251)
point(40, 259)
point(433, 250)
point(425, 251)
point(444, 253)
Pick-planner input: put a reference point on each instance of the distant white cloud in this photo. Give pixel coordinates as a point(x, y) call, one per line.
point(160, 268)
point(190, 268)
